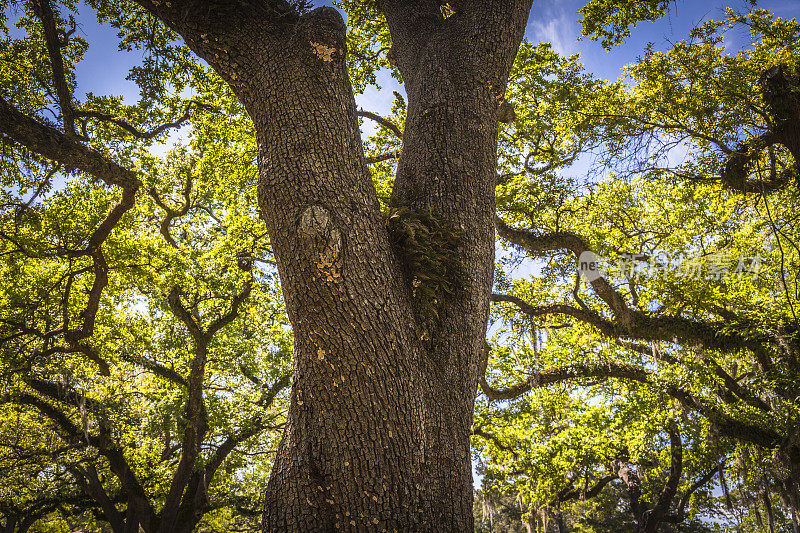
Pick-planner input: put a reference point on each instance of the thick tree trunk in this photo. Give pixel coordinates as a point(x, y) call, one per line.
point(455, 73)
point(381, 406)
point(350, 457)
point(380, 416)
point(452, 121)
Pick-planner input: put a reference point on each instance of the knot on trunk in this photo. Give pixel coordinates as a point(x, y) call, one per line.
point(321, 241)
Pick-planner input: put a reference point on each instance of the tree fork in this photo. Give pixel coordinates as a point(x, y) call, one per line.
point(379, 423)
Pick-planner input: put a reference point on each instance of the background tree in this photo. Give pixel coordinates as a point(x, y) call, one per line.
point(144, 341)
point(683, 165)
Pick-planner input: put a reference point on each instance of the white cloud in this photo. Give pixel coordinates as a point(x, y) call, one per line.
point(560, 30)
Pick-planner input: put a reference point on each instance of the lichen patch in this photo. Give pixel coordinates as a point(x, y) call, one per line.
point(323, 51)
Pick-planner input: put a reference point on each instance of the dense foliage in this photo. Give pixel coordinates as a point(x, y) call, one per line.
point(145, 351)
point(672, 375)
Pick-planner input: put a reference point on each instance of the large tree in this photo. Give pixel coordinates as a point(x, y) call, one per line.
point(388, 291)
point(387, 355)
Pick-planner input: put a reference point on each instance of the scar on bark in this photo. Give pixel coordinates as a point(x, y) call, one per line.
point(322, 241)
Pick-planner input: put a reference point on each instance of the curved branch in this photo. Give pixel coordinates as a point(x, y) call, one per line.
point(394, 154)
point(567, 373)
point(183, 314)
point(62, 393)
point(661, 328)
point(725, 424)
point(232, 313)
point(637, 324)
point(71, 431)
point(563, 240)
point(680, 514)
point(494, 440)
point(571, 493)
point(44, 11)
point(159, 370)
point(584, 315)
point(654, 519)
point(52, 144)
point(382, 121)
point(173, 213)
point(75, 337)
point(65, 149)
point(133, 130)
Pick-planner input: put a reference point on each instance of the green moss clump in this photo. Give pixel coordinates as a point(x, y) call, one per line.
point(427, 248)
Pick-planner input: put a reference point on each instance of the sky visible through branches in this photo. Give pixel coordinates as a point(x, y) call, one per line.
point(105, 67)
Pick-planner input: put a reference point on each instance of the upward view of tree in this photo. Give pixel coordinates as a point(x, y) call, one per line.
point(224, 310)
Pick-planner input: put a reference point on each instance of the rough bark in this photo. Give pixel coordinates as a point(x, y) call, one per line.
point(455, 76)
point(350, 454)
point(379, 422)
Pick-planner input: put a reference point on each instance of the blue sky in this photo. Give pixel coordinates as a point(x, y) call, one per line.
point(105, 68)
point(556, 21)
